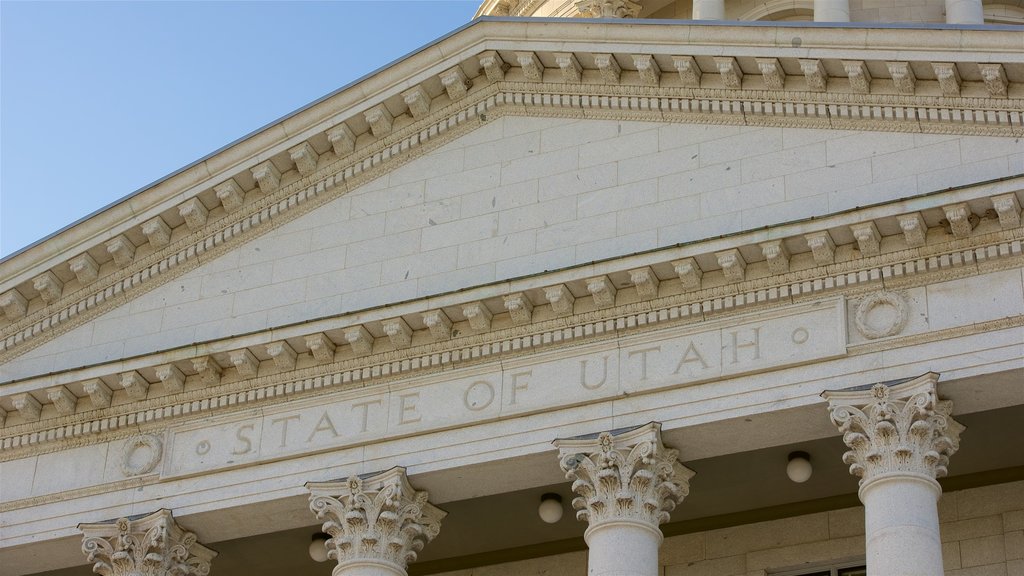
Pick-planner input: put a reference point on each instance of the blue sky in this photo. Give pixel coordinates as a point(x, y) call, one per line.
point(99, 99)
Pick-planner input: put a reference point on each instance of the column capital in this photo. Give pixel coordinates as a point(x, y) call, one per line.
point(624, 475)
point(378, 518)
point(609, 8)
point(152, 545)
point(900, 429)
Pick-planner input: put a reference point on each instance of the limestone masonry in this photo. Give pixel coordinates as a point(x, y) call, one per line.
point(717, 297)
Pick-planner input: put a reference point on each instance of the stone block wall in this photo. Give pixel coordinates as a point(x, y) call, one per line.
point(982, 535)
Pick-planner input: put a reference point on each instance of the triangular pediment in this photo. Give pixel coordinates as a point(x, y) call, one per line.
point(497, 162)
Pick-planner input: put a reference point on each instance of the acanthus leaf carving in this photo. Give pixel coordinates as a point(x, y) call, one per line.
point(379, 518)
point(150, 546)
point(901, 429)
point(627, 475)
point(561, 299)
point(609, 8)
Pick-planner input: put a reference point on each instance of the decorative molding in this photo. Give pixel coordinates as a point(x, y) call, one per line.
point(494, 67)
point(689, 72)
point(777, 256)
point(772, 73)
point(194, 212)
point(245, 362)
point(867, 237)
point(359, 340)
point(914, 229)
point(729, 69)
point(732, 263)
point(99, 393)
point(26, 405)
point(961, 219)
point(1007, 207)
point(398, 331)
point(609, 68)
point(561, 299)
point(342, 139)
point(822, 247)
point(305, 158)
point(478, 315)
point(380, 120)
point(533, 70)
point(151, 448)
point(157, 232)
point(896, 430)
point(456, 83)
point(134, 385)
point(903, 79)
point(892, 325)
point(150, 546)
point(994, 77)
point(283, 354)
point(689, 273)
point(13, 304)
point(267, 176)
point(948, 76)
point(85, 268)
point(647, 67)
point(321, 347)
point(377, 518)
point(418, 101)
point(602, 290)
point(439, 325)
point(62, 399)
point(645, 281)
point(208, 369)
point(829, 109)
point(815, 74)
point(171, 377)
point(572, 72)
point(626, 475)
point(609, 8)
point(858, 76)
point(519, 307)
point(122, 249)
point(49, 286)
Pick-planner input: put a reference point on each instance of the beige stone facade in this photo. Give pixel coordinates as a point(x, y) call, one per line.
point(643, 269)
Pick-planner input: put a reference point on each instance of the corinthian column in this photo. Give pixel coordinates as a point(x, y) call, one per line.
point(900, 439)
point(153, 545)
point(626, 484)
point(377, 523)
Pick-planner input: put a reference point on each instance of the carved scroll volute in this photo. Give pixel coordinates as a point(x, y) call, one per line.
point(626, 476)
point(899, 430)
point(150, 546)
point(381, 518)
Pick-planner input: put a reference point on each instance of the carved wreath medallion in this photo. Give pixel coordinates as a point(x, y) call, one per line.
point(140, 454)
point(890, 324)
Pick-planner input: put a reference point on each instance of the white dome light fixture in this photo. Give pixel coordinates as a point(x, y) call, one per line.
point(318, 548)
point(550, 509)
point(799, 468)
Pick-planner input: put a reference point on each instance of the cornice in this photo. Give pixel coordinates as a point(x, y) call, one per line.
point(60, 298)
point(337, 354)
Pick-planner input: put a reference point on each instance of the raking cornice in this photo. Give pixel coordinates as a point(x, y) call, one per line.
point(499, 67)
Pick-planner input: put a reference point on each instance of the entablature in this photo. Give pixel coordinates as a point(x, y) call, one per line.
point(883, 247)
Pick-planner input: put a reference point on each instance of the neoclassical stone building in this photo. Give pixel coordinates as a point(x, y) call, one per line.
point(738, 298)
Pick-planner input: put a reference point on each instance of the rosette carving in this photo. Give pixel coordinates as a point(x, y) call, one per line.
point(150, 546)
point(903, 429)
point(624, 476)
point(378, 518)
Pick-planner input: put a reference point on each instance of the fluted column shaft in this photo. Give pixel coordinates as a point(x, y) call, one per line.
point(964, 12)
point(709, 9)
point(831, 10)
point(377, 523)
point(153, 545)
point(900, 439)
point(626, 483)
